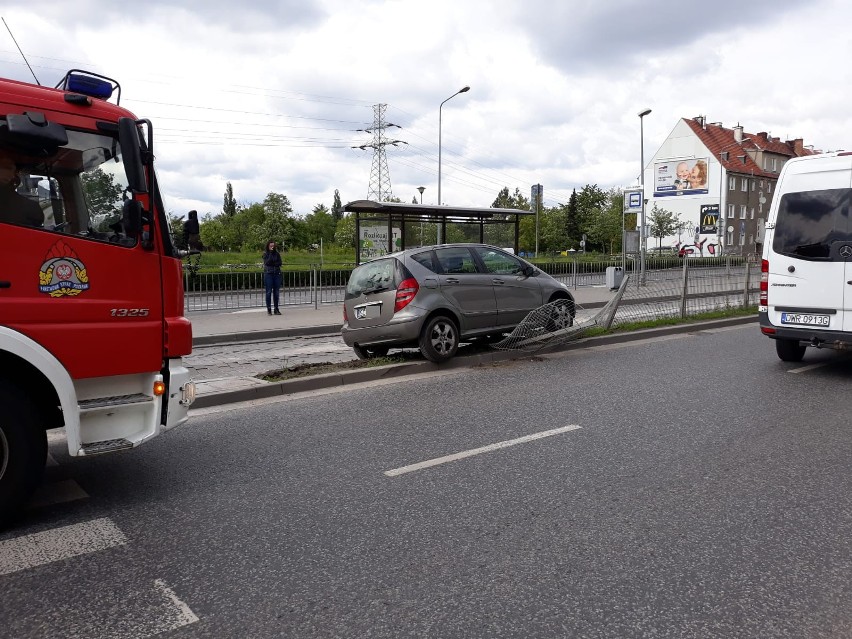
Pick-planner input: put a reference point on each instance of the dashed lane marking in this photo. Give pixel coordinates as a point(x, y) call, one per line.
point(478, 451)
point(57, 544)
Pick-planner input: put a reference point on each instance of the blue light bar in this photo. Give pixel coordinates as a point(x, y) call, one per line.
point(90, 86)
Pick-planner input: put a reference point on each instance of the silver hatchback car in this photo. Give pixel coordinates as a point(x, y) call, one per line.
point(434, 297)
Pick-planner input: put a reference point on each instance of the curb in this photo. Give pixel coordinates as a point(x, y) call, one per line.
point(260, 336)
point(391, 371)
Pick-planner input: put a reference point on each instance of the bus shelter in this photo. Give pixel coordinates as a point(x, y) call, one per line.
point(387, 227)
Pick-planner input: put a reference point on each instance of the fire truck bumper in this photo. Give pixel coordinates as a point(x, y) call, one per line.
point(181, 394)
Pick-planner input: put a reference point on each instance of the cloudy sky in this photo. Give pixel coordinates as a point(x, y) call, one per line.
point(271, 95)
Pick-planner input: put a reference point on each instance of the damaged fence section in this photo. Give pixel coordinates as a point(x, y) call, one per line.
point(665, 293)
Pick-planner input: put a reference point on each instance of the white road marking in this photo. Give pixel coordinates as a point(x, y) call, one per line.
point(478, 451)
point(57, 544)
point(58, 492)
point(185, 616)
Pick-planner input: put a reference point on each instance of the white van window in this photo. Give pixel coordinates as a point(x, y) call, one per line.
point(809, 222)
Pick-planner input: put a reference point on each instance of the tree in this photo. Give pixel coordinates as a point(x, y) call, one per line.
point(320, 225)
point(337, 207)
point(103, 195)
point(662, 222)
point(605, 229)
point(572, 220)
point(229, 205)
point(344, 233)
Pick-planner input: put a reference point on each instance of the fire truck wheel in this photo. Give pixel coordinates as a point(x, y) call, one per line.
point(23, 451)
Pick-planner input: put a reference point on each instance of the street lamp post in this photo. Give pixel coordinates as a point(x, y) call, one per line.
point(642, 115)
point(464, 89)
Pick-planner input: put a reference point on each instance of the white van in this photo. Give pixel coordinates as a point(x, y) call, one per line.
point(806, 279)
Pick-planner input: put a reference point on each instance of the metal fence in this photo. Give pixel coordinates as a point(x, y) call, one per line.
point(324, 284)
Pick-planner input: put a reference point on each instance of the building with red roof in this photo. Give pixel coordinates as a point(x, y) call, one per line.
point(703, 168)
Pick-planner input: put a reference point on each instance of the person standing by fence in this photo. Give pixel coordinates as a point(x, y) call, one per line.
point(272, 277)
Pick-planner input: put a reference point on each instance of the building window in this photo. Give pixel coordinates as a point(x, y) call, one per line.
point(769, 186)
point(752, 213)
point(761, 185)
point(730, 241)
point(730, 211)
point(742, 211)
point(751, 239)
point(732, 184)
point(752, 184)
point(744, 184)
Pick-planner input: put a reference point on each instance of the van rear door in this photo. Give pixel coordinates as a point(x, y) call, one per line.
point(810, 263)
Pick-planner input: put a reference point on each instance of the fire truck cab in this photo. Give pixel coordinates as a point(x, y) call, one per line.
point(92, 329)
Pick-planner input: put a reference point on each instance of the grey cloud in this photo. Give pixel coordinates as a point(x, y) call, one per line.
point(588, 37)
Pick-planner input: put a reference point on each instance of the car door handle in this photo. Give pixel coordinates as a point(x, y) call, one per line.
point(9, 284)
point(451, 280)
point(497, 281)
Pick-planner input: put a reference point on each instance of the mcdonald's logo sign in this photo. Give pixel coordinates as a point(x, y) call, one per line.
point(709, 217)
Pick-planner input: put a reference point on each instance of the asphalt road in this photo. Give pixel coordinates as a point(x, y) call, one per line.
point(690, 486)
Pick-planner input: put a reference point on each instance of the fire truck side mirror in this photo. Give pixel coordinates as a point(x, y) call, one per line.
point(128, 137)
point(131, 217)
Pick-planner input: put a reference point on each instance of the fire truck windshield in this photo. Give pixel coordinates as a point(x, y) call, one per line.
point(78, 190)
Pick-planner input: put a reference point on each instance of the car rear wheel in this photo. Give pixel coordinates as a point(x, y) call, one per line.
point(23, 451)
point(364, 352)
point(561, 315)
point(439, 339)
point(790, 350)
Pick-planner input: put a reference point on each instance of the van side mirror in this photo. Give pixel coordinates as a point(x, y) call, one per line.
point(128, 137)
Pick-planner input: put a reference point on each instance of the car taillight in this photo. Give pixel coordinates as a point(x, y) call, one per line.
point(345, 319)
point(405, 292)
point(764, 283)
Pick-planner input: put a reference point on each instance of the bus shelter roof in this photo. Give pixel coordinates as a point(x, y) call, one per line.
point(428, 210)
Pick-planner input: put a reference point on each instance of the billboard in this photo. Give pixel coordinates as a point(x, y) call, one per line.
point(709, 219)
point(680, 177)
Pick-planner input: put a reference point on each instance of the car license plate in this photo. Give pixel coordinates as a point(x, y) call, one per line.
point(805, 319)
point(368, 311)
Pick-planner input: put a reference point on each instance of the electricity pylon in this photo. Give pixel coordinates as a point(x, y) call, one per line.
point(380, 183)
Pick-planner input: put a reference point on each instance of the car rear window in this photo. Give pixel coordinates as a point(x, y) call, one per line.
point(810, 221)
point(372, 277)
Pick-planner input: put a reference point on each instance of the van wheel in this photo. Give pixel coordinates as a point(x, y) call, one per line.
point(23, 451)
point(362, 352)
point(439, 339)
point(790, 350)
point(561, 315)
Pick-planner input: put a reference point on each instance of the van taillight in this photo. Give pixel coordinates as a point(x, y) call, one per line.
point(764, 282)
point(405, 292)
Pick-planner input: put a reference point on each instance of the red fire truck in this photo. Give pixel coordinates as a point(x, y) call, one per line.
point(92, 329)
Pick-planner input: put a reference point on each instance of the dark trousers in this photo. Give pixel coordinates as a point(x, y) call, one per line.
point(272, 284)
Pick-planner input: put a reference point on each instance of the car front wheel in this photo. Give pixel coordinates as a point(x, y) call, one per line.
point(561, 315)
point(439, 339)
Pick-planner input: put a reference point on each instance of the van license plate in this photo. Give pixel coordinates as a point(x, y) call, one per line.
point(805, 319)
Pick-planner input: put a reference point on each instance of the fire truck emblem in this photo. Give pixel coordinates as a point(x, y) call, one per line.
point(62, 273)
